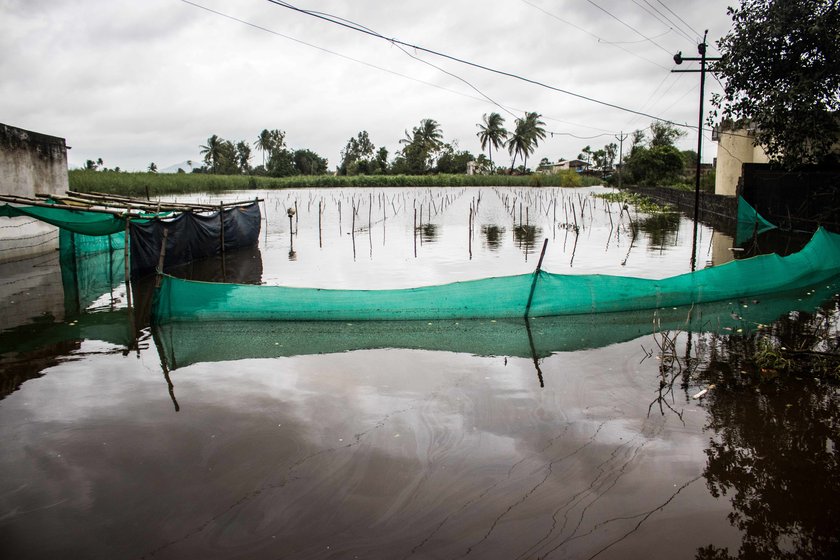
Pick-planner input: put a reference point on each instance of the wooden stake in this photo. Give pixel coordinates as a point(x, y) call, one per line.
point(536, 275)
point(127, 263)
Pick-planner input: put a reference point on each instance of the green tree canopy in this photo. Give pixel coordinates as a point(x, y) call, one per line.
point(780, 67)
point(492, 133)
point(421, 148)
point(658, 163)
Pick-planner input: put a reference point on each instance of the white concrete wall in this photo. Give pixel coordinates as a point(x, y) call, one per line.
point(30, 162)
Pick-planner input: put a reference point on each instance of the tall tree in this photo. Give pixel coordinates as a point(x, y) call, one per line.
point(264, 143)
point(422, 146)
point(243, 156)
point(664, 134)
point(492, 133)
point(780, 67)
point(211, 151)
point(518, 142)
point(526, 137)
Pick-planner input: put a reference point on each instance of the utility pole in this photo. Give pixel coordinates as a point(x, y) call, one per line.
point(678, 59)
point(621, 138)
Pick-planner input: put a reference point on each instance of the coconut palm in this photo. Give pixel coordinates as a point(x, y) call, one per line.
point(264, 143)
point(425, 140)
point(211, 151)
point(518, 142)
point(492, 134)
point(526, 137)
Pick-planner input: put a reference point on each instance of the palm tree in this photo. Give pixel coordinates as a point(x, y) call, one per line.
point(526, 137)
point(426, 139)
point(535, 129)
point(212, 150)
point(518, 142)
point(264, 143)
point(492, 134)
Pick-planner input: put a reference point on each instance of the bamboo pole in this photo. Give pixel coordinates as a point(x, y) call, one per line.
point(161, 258)
point(534, 281)
point(127, 260)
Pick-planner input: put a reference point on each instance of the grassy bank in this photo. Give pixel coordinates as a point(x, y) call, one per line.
point(137, 184)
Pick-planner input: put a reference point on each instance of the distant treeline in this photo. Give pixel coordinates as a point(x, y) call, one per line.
point(155, 184)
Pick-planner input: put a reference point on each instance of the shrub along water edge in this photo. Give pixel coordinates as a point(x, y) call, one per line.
point(160, 184)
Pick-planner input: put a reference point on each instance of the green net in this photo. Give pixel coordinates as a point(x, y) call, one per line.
point(498, 298)
point(182, 344)
point(750, 222)
point(77, 221)
point(88, 274)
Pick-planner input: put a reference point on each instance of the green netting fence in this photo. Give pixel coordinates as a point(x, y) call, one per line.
point(77, 221)
point(503, 297)
point(750, 222)
point(182, 344)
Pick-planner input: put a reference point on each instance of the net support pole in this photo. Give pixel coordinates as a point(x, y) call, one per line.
point(127, 260)
point(161, 258)
point(534, 281)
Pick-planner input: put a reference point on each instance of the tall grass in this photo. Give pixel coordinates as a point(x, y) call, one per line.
point(141, 184)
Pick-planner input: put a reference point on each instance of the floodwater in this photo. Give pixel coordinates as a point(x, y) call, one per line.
point(572, 438)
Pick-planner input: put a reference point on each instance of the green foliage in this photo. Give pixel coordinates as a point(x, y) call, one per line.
point(308, 162)
point(492, 133)
point(663, 134)
point(360, 158)
point(655, 166)
point(525, 138)
point(422, 148)
point(659, 163)
point(135, 184)
point(453, 161)
point(779, 64)
point(638, 201)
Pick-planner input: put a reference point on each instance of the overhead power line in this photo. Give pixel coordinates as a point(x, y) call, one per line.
point(696, 33)
point(628, 26)
point(508, 109)
point(616, 44)
point(663, 19)
point(394, 41)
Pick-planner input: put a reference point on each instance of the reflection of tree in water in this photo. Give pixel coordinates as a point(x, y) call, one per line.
point(493, 235)
point(526, 237)
point(661, 228)
point(429, 233)
point(775, 450)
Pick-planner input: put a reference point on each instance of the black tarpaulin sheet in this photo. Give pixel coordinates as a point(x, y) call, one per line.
point(192, 236)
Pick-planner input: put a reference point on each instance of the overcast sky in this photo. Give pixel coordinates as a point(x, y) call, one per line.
point(135, 82)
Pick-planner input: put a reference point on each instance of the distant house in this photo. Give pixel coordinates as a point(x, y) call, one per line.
point(575, 164)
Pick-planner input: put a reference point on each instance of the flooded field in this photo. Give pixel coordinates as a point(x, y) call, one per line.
point(577, 437)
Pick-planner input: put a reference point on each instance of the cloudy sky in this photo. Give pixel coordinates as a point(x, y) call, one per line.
point(135, 82)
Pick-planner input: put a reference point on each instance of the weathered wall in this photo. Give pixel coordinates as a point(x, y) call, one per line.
point(735, 148)
point(30, 162)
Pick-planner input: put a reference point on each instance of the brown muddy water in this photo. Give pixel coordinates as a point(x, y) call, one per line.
point(573, 438)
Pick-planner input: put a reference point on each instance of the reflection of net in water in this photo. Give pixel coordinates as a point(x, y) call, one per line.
point(544, 294)
point(182, 344)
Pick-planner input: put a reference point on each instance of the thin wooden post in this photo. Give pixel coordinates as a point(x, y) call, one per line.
point(534, 281)
point(161, 257)
point(127, 262)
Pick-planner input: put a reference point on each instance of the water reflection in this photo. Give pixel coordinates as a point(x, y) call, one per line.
point(493, 236)
point(429, 233)
point(774, 451)
point(526, 237)
point(661, 229)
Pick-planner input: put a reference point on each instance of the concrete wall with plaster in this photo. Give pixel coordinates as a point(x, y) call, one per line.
point(735, 148)
point(30, 162)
